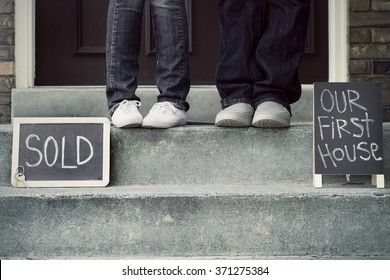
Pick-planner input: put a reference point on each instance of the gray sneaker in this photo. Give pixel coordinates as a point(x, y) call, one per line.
point(271, 114)
point(237, 115)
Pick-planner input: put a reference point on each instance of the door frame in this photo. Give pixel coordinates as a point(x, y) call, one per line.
point(25, 42)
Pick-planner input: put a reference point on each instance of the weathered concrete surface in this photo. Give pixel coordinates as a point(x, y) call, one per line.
point(206, 155)
point(175, 221)
point(5, 154)
point(211, 155)
point(91, 102)
point(202, 195)
point(202, 155)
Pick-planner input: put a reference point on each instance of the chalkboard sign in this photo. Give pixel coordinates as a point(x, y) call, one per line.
point(60, 152)
point(348, 133)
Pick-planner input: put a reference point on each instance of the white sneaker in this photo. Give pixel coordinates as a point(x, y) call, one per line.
point(164, 115)
point(271, 114)
point(127, 114)
point(237, 115)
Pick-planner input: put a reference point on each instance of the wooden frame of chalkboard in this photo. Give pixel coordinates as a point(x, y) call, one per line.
point(60, 152)
point(348, 131)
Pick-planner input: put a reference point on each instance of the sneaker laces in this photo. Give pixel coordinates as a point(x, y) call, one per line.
point(163, 106)
point(129, 105)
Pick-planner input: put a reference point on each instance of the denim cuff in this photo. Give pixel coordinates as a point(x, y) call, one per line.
point(231, 101)
point(179, 104)
point(274, 99)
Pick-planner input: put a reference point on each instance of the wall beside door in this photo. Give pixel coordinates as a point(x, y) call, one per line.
point(369, 37)
point(7, 45)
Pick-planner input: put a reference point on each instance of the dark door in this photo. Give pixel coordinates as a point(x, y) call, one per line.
point(70, 43)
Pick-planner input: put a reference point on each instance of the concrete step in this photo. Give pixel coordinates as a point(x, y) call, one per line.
point(199, 191)
point(91, 102)
point(219, 221)
point(194, 191)
point(202, 155)
point(198, 154)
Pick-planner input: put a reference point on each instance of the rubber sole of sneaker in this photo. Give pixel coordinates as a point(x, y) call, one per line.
point(232, 120)
point(231, 123)
point(128, 125)
point(162, 125)
point(270, 122)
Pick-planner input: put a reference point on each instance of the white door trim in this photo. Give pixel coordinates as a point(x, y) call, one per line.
point(338, 40)
point(25, 42)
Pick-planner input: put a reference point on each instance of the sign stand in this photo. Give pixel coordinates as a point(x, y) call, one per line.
point(317, 180)
point(377, 180)
point(348, 131)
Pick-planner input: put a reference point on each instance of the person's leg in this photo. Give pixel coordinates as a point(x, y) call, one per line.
point(280, 50)
point(240, 26)
point(172, 71)
point(172, 51)
point(278, 55)
point(124, 21)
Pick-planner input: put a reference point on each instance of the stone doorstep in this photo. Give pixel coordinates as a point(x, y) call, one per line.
point(332, 189)
point(210, 217)
point(91, 102)
point(219, 221)
point(200, 155)
point(263, 220)
point(197, 156)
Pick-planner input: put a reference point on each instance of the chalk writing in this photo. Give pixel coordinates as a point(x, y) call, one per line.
point(45, 155)
point(348, 126)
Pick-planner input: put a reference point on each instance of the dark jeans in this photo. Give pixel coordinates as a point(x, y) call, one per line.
point(262, 44)
point(124, 21)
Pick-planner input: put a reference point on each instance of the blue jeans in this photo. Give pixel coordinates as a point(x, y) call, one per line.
point(262, 44)
point(124, 21)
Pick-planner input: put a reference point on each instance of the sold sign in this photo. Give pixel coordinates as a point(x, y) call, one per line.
point(60, 152)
